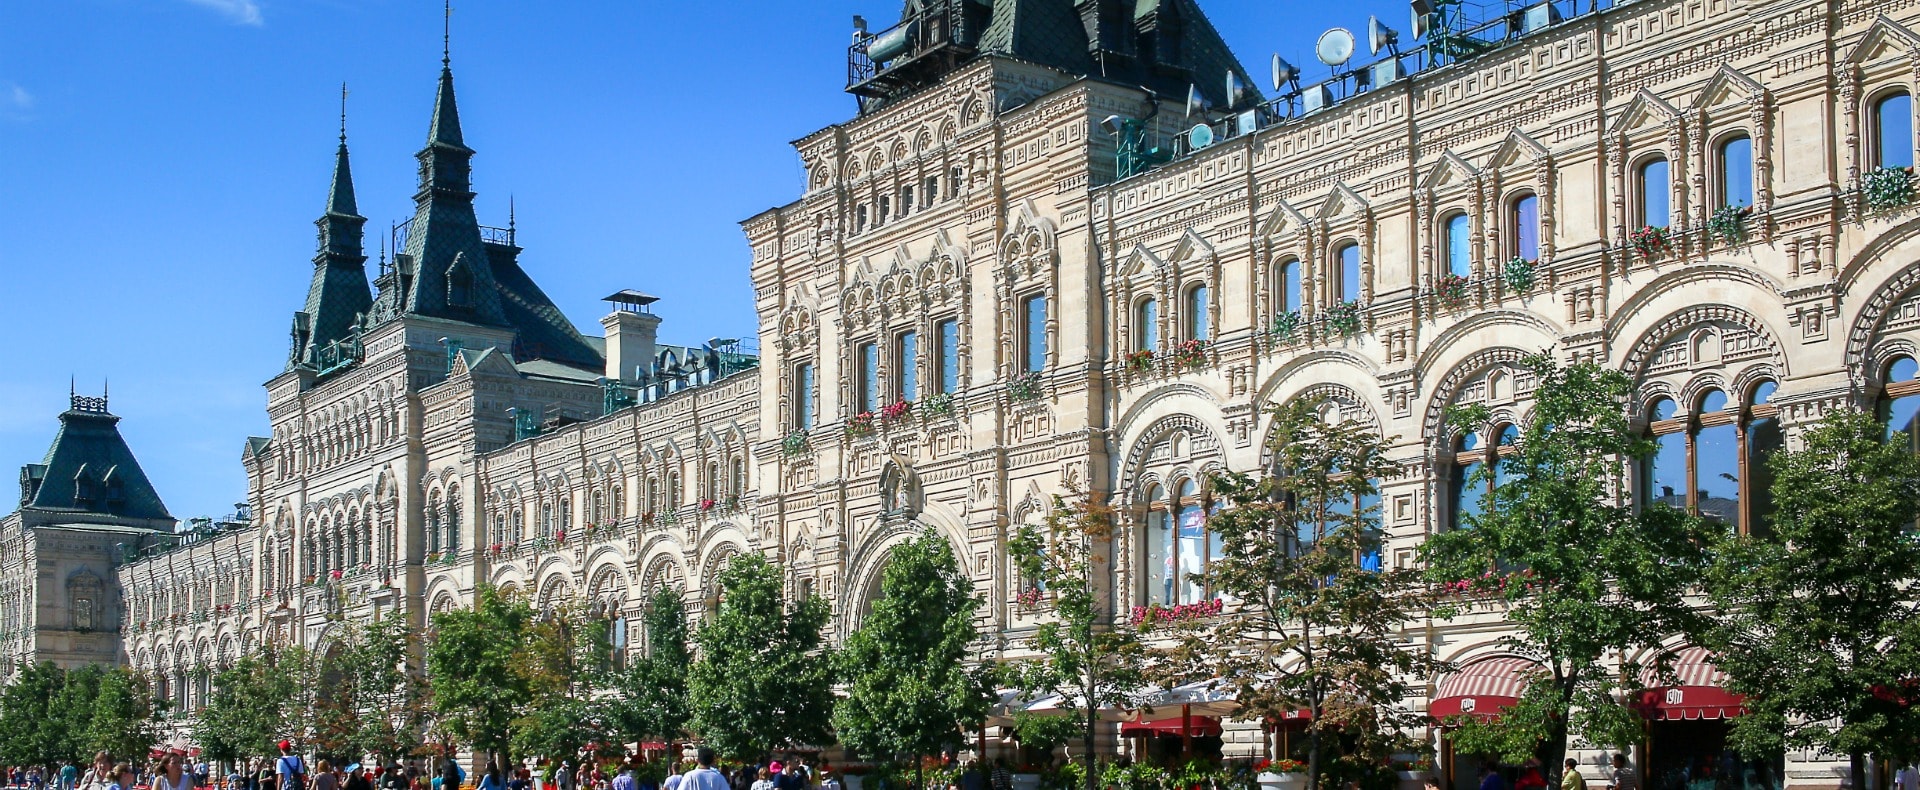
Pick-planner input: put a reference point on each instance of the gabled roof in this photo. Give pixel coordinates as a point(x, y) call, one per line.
point(90, 469)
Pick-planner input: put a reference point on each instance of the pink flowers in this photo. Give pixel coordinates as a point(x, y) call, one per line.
point(334, 574)
point(896, 411)
point(706, 505)
point(1186, 611)
point(1031, 596)
point(862, 424)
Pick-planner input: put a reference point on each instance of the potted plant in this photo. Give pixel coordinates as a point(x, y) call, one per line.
point(1344, 319)
point(862, 424)
point(1888, 188)
point(939, 405)
point(1191, 354)
point(1286, 325)
point(1282, 775)
point(1140, 361)
point(1729, 224)
point(1452, 290)
point(1519, 274)
point(1651, 242)
point(793, 445)
point(896, 412)
point(1024, 386)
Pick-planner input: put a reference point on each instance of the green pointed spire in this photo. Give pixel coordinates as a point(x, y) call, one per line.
point(446, 114)
point(340, 202)
point(339, 291)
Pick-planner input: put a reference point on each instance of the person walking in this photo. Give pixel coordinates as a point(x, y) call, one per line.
point(491, 779)
point(290, 771)
point(1002, 779)
point(563, 778)
point(122, 777)
point(69, 775)
point(1622, 777)
point(172, 776)
point(704, 776)
point(1573, 780)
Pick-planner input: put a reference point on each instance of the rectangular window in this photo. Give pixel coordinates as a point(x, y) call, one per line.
point(885, 213)
point(803, 396)
point(930, 191)
point(947, 372)
point(906, 200)
point(1033, 333)
point(906, 366)
point(953, 183)
point(868, 396)
point(860, 218)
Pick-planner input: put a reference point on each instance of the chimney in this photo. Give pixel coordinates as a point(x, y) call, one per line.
point(631, 330)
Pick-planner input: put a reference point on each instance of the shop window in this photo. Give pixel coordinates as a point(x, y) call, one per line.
point(1459, 246)
point(1655, 193)
point(1525, 216)
point(1477, 471)
point(1736, 171)
point(1179, 546)
point(1893, 130)
point(1712, 461)
point(1146, 325)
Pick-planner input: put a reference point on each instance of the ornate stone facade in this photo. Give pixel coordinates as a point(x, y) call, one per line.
point(968, 247)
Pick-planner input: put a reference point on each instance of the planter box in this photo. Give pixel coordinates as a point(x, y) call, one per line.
point(1026, 782)
point(1291, 781)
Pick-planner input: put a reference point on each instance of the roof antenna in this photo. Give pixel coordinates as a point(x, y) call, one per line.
point(343, 113)
point(509, 211)
point(446, 37)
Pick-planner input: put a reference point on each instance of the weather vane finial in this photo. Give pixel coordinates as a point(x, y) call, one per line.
point(446, 36)
point(343, 113)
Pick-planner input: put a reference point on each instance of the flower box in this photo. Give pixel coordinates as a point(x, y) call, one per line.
point(1024, 387)
point(1651, 242)
point(1452, 290)
point(1140, 361)
point(862, 425)
point(1344, 319)
point(1888, 188)
point(939, 405)
point(1286, 325)
point(1191, 354)
point(1519, 274)
point(1185, 611)
point(793, 445)
point(896, 412)
point(1729, 224)
point(1286, 781)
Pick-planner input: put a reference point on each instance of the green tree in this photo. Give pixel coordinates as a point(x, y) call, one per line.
point(1578, 572)
point(1084, 657)
point(650, 699)
point(1814, 619)
point(337, 708)
point(477, 687)
point(253, 704)
point(1318, 624)
point(391, 688)
point(73, 709)
point(563, 661)
point(31, 730)
point(764, 680)
point(125, 719)
point(911, 690)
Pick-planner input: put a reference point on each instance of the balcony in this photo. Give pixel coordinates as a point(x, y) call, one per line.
point(923, 46)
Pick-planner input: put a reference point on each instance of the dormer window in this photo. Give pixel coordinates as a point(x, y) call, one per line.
point(459, 283)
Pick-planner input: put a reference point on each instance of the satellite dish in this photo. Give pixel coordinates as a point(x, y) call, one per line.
point(1283, 73)
point(1236, 89)
point(1196, 104)
point(1379, 36)
point(1200, 136)
point(1335, 47)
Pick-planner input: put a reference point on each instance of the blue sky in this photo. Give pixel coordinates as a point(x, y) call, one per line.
point(162, 162)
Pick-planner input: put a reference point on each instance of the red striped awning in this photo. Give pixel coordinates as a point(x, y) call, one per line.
point(1196, 726)
point(1700, 693)
point(1483, 688)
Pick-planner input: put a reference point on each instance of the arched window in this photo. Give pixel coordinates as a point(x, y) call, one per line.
point(1179, 546)
point(1477, 472)
point(867, 386)
point(1712, 461)
point(1735, 172)
point(566, 514)
point(1289, 286)
point(1197, 312)
point(546, 519)
point(1459, 246)
point(1160, 551)
point(1893, 130)
point(1146, 325)
point(1526, 226)
point(713, 480)
point(1349, 259)
point(673, 490)
point(739, 487)
point(434, 535)
point(1899, 405)
point(1655, 193)
point(653, 494)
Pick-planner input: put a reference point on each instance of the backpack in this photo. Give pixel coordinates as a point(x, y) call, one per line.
point(296, 778)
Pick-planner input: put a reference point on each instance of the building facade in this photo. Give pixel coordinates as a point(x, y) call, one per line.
point(1023, 271)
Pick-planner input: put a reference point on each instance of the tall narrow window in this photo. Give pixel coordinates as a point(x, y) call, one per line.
point(1349, 257)
point(906, 361)
point(1146, 325)
point(1469, 490)
point(803, 396)
point(867, 386)
point(1033, 334)
point(1716, 459)
point(1656, 193)
point(948, 375)
point(1900, 402)
point(1736, 171)
point(1459, 246)
point(1193, 543)
point(1893, 130)
point(1764, 438)
point(1663, 478)
point(1289, 286)
point(1526, 227)
point(1198, 312)
point(1160, 553)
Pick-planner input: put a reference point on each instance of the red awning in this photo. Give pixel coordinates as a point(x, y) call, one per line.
point(1700, 693)
point(1483, 688)
point(1298, 717)
point(653, 746)
point(1196, 726)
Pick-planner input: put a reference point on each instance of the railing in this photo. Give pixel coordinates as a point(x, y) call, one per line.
point(338, 355)
point(945, 26)
point(488, 235)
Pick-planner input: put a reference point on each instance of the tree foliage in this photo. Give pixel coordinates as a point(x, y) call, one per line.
point(1316, 624)
point(764, 680)
point(1578, 571)
point(390, 685)
point(910, 689)
point(1814, 618)
point(564, 658)
point(255, 703)
point(49, 715)
point(1089, 661)
point(650, 694)
point(477, 688)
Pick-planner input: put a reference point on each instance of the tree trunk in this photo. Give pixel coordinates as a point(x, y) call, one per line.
point(1857, 769)
point(1093, 716)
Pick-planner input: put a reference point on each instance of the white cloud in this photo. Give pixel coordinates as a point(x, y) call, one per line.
point(15, 96)
point(240, 12)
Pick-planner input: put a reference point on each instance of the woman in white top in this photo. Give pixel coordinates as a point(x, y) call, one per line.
point(765, 782)
point(100, 775)
point(172, 776)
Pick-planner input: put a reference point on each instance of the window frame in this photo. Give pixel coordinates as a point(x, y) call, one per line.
point(806, 378)
point(1740, 413)
point(1721, 178)
point(867, 385)
point(1446, 243)
point(1146, 328)
point(1340, 291)
point(1030, 336)
point(1197, 304)
point(1169, 505)
point(1640, 192)
point(1876, 130)
point(1487, 455)
point(944, 368)
point(1516, 222)
point(906, 366)
point(1294, 302)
